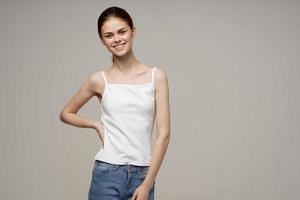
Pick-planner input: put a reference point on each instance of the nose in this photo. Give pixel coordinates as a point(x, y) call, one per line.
point(117, 38)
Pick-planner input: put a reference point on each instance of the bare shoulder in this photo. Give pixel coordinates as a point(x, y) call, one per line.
point(96, 82)
point(160, 77)
point(161, 84)
point(95, 77)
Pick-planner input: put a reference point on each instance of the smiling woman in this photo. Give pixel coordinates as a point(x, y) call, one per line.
point(135, 95)
point(116, 30)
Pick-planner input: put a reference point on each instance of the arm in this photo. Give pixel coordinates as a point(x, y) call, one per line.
point(162, 125)
point(87, 90)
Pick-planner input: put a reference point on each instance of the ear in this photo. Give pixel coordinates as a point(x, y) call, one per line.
point(133, 32)
point(101, 41)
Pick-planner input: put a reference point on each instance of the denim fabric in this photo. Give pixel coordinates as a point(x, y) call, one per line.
point(116, 182)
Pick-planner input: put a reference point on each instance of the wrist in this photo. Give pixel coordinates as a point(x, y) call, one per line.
point(93, 124)
point(147, 184)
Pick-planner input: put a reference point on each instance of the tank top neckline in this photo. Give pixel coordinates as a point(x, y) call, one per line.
point(129, 84)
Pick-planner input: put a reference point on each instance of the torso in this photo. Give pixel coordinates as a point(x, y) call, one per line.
point(128, 115)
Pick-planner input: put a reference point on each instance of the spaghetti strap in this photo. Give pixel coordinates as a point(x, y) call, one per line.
point(154, 68)
point(102, 72)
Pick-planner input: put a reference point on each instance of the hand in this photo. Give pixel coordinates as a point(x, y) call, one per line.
point(100, 130)
point(141, 193)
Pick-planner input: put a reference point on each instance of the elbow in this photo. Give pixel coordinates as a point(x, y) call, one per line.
point(165, 138)
point(62, 116)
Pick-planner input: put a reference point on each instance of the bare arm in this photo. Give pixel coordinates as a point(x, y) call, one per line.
point(162, 125)
point(87, 90)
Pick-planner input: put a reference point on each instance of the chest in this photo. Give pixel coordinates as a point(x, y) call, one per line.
point(120, 99)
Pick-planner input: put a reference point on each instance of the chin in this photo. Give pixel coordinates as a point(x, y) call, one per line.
point(123, 53)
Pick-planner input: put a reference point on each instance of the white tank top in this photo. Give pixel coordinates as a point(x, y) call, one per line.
point(128, 113)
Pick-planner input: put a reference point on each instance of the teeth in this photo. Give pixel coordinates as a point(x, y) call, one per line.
point(119, 45)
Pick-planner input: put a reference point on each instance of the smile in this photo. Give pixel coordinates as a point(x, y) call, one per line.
point(119, 46)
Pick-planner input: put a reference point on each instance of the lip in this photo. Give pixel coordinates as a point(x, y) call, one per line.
point(119, 45)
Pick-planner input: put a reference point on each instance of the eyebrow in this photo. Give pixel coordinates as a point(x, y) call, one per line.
point(111, 32)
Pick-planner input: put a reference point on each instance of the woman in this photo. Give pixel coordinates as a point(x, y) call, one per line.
point(131, 95)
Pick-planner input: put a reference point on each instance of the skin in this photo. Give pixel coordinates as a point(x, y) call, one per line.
point(125, 69)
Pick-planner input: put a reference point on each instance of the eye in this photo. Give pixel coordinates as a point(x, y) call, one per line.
point(107, 36)
point(122, 32)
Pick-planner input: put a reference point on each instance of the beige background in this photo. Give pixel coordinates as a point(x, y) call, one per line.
point(233, 69)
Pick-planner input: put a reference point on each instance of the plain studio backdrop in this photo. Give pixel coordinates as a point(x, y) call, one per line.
point(234, 76)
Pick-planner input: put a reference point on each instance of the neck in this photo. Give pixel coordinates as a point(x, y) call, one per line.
point(125, 63)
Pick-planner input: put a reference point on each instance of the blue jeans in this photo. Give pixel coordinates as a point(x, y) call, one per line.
point(116, 182)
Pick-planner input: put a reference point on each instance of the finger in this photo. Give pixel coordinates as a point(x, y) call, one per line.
point(134, 196)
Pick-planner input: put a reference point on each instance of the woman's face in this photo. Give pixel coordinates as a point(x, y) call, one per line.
point(117, 36)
